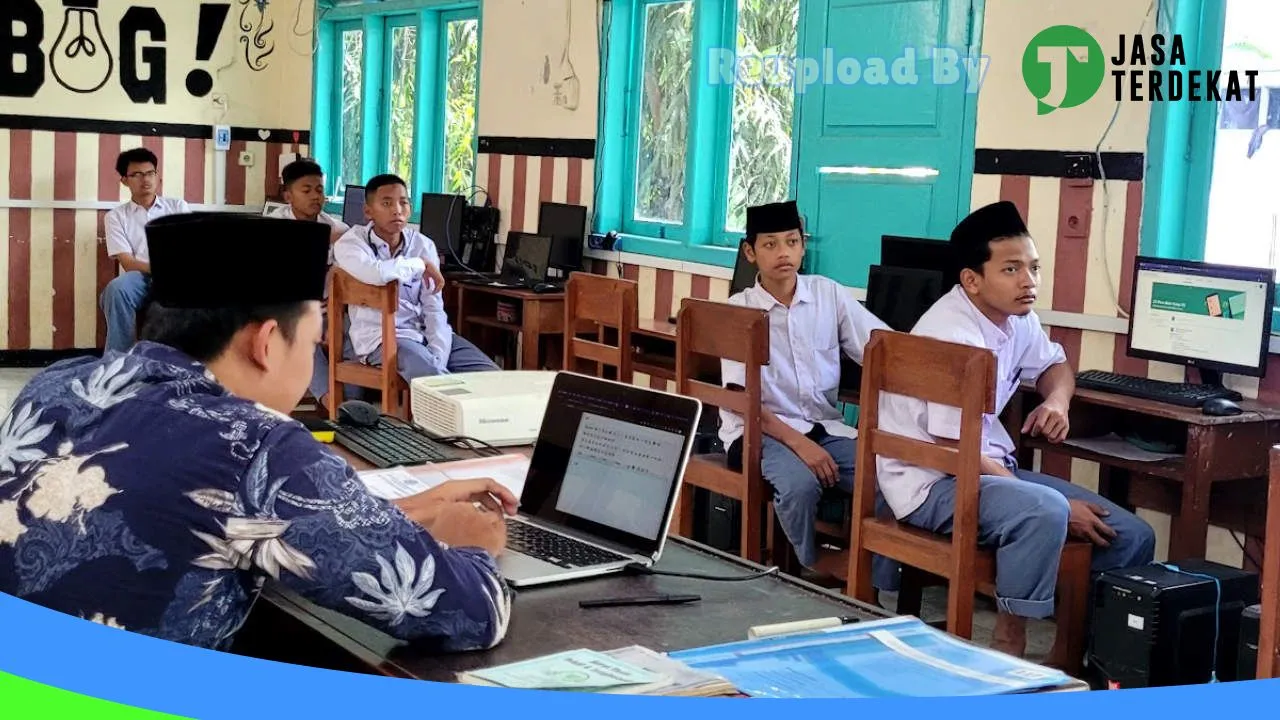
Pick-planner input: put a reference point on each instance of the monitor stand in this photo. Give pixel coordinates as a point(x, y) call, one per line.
point(1211, 378)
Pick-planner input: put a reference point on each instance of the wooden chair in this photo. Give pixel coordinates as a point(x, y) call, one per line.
point(1269, 623)
point(708, 333)
point(346, 290)
point(959, 376)
point(596, 304)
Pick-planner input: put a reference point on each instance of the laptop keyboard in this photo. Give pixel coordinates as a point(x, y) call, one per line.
point(556, 549)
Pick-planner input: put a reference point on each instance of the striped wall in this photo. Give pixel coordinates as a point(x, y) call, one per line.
point(53, 196)
point(516, 184)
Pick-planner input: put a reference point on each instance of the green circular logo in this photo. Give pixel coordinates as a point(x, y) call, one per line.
point(1063, 67)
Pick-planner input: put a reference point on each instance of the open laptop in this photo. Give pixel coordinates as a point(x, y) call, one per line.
point(602, 482)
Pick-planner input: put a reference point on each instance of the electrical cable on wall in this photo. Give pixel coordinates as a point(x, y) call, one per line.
point(1158, 7)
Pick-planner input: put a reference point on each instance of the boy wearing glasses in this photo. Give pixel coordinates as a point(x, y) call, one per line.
point(127, 243)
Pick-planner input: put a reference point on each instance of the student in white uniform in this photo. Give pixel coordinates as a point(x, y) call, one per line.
point(807, 447)
point(126, 239)
point(1026, 516)
point(388, 250)
point(304, 192)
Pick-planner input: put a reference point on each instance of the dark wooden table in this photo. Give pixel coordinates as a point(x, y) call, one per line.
point(547, 619)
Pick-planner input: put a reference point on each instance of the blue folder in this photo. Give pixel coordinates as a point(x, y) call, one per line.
point(897, 657)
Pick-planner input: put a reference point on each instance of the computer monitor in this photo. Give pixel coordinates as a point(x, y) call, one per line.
point(744, 272)
point(353, 205)
point(441, 220)
point(566, 225)
point(1216, 318)
point(921, 254)
point(899, 296)
point(527, 257)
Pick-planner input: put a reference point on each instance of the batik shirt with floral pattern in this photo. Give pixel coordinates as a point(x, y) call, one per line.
point(137, 492)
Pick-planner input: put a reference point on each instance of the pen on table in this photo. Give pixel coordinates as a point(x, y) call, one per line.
point(641, 600)
point(763, 631)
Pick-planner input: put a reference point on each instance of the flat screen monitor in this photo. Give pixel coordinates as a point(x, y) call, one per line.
point(566, 225)
point(353, 205)
point(441, 221)
point(1214, 317)
point(744, 272)
point(899, 296)
point(920, 254)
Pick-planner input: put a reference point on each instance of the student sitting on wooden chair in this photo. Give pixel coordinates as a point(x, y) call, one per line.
point(304, 191)
point(1026, 515)
point(807, 447)
point(388, 250)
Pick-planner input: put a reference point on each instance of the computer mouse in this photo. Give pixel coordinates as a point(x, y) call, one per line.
point(358, 412)
point(545, 288)
point(1220, 407)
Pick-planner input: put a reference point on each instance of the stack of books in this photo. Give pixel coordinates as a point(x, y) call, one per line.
point(633, 670)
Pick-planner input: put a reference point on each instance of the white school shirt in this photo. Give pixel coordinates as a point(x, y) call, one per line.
point(420, 317)
point(1023, 351)
point(286, 213)
point(802, 379)
point(126, 225)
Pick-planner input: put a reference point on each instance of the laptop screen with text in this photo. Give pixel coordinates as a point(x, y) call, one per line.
point(608, 460)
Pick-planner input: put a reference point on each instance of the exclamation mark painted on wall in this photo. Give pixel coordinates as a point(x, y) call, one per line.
point(212, 18)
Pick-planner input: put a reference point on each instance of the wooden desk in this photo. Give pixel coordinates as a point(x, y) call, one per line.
point(1221, 479)
point(655, 349)
point(547, 619)
point(540, 316)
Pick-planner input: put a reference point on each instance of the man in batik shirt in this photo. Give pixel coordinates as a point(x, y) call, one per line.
point(156, 490)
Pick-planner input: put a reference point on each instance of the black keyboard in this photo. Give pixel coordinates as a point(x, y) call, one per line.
point(554, 548)
point(1182, 394)
point(392, 443)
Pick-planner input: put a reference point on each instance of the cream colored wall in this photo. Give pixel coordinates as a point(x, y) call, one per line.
point(1007, 111)
point(521, 57)
point(275, 95)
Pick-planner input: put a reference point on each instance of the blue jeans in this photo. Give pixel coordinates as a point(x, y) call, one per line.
point(119, 303)
point(1025, 518)
point(797, 492)
point(412, 360)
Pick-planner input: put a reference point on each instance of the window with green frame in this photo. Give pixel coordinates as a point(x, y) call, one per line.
point(696, 123)
point(396, 91)
point(1212, 167)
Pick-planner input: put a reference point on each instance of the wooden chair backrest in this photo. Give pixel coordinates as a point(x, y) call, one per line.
point(709, 332)
point(597, 302)
point(935, 371)
point(1269, 623)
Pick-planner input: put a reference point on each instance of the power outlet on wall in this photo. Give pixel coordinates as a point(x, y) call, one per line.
point(246, 159)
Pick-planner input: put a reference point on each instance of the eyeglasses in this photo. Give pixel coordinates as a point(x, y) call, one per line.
point(142, 175)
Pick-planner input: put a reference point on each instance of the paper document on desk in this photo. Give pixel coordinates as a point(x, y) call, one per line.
point(1112, 445)
point(400, 482)
point(581, 670)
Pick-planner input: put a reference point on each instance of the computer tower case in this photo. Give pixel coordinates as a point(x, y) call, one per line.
point(1247, 659)
point(1154, 627)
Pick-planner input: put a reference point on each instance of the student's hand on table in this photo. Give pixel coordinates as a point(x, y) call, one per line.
point(1085, 523)
point(1049, 420)
point(464, 524)
point(818, 460)
point(435, 277)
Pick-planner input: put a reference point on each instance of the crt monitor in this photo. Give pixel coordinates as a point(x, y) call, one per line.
point(899, 296)
point(441, 221)
point(1216, 318)
point(921, 254)
point(353, 205)
point(567, 226)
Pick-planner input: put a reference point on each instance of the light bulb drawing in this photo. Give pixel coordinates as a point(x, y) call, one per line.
point(80, 58)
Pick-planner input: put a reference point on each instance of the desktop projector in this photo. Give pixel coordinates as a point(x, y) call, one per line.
point(501, 408)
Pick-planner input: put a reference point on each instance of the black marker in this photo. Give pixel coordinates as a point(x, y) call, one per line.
point(640, 600)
